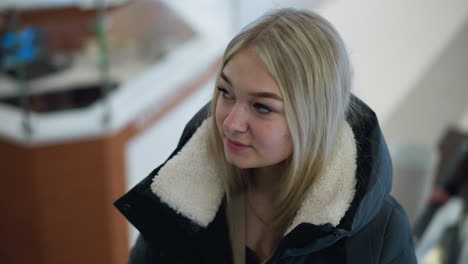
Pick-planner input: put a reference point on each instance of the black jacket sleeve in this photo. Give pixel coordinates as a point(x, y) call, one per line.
point(144, 253)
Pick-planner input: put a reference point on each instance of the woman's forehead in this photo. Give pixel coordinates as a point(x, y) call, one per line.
point(245, 71)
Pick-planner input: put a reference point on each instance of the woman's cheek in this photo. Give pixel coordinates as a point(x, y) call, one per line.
point(220, 114)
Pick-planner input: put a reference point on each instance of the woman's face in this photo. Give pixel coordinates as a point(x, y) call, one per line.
point(250, 115)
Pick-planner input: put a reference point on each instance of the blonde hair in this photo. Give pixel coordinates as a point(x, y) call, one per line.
point(306, 56)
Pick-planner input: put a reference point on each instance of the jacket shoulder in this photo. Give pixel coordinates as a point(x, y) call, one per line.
point(398, 245)
point(144, 253)
point(386, 239)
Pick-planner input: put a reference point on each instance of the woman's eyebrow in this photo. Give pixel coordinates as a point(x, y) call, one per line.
point(267, 95)
point(225, 78)
point(255, 94)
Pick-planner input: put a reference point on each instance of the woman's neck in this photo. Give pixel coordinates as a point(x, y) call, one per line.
point(262, 189)
point(264, 181)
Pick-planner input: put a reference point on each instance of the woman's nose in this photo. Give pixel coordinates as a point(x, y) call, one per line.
point(236, 121)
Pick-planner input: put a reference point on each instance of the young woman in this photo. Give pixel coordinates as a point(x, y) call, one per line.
point(284, 166)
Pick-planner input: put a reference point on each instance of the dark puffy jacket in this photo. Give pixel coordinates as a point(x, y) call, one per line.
point(179, 208)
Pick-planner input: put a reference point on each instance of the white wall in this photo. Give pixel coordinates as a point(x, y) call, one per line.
point(436, 101)
point(394, 42)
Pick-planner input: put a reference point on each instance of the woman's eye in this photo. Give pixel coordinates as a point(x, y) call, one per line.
point(261, 108)
point(224, 93)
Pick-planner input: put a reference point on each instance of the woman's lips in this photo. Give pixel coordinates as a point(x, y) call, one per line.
point(236, 146)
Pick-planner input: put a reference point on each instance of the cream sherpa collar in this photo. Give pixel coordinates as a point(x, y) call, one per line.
point(190, 185)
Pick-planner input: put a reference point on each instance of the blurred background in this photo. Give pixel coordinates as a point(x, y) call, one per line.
point(94, 94)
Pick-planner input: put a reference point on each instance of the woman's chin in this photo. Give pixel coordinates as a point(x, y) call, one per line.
point(240, 164)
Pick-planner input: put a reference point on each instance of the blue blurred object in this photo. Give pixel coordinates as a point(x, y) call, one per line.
point(21, 48)
point(24, 54)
